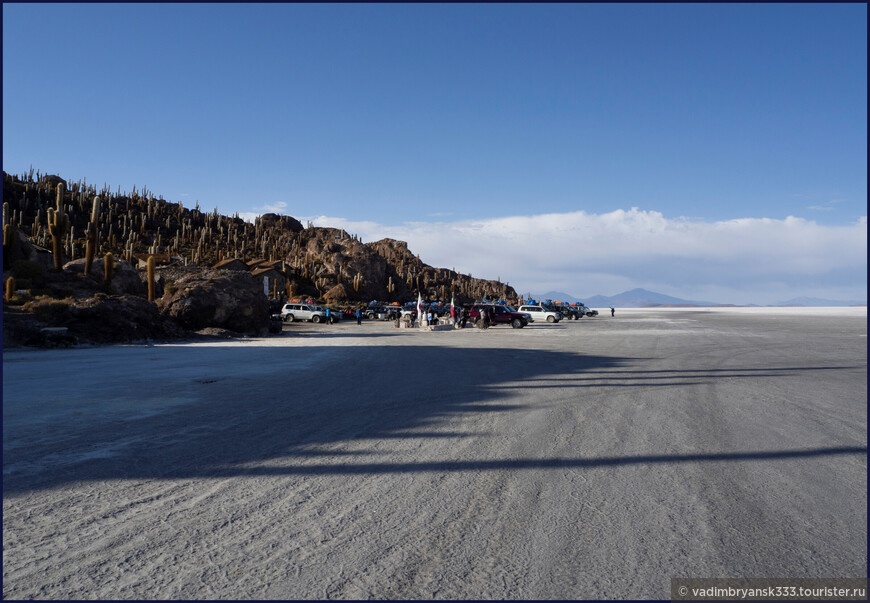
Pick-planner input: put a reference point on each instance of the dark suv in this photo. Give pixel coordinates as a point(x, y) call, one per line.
point(568, 312)
point(499, 315)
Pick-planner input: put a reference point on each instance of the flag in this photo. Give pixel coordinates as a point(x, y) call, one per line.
point(419, 308)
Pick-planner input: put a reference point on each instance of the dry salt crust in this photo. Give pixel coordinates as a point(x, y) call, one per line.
point(596, 458)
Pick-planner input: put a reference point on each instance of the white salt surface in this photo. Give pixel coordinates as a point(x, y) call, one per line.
point(740, 310)
point(589, 459)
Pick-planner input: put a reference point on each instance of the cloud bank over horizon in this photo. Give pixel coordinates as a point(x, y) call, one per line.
point(741, 261)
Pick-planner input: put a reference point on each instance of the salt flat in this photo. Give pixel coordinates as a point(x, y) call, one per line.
point(596, 458)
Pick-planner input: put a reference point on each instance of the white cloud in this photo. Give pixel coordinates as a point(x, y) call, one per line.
point(762, 259)
point(273, 208)
point(829, 206)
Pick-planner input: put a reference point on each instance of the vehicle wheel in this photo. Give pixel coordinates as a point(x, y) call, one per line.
point(315, 319)
point(288, 318)
point(551, 319)
point(517, 323)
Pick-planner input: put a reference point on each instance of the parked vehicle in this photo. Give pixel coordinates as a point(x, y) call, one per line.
point(527, 316)
point(334, 315)
point(570, 312)
point(541, 313)
point(296, 311)
point(500, 315)
point(586, 311)
point(387, 312)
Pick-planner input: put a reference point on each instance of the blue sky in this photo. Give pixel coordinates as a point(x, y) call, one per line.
point(605, 138)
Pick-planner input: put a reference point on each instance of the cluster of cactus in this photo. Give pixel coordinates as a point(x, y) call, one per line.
point(127, 225)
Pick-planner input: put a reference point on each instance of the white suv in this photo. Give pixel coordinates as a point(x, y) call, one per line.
point(291, 312)
point(540, 313)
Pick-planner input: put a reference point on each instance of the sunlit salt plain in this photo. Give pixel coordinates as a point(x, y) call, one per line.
point(760, 310)
point(589, 459)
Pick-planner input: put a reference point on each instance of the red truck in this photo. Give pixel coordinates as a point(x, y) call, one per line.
point(499, 315)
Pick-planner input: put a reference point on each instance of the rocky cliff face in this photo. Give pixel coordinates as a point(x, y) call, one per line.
point(50, 225)
point(316, 260)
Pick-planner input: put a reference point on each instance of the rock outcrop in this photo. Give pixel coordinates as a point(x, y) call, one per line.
point(125, 278)
point(117, 318)
point(197, 298)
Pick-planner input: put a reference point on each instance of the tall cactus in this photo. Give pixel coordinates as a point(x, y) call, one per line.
point(90, 245)
point(58, 226)
point(109, 266)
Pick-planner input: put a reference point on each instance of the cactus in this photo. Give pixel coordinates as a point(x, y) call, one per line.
point(109, 265)
point(90, 246)
point(9, 292)
point(58, 226)
point(150, 271)
point(8, 238)
point(95, 211)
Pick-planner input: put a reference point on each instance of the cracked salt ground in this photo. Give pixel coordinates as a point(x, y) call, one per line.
point(593, 459)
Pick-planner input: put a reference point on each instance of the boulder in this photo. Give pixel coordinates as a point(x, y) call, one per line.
point(118, 318)
point(336, 293)
point(21, 249)
point(281, 222)
point(53, 180)
point(199, 298)
point(125, 278)
point(99, 318)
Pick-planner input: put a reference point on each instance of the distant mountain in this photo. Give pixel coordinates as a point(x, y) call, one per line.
point(557, 296)
point(817, 302)
point(639, 298)
point(636, 298)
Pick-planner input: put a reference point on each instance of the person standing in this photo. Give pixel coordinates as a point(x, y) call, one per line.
point(612, 312)
point(358, 316)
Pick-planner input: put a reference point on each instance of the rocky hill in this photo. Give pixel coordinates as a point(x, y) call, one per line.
point(324, 263)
